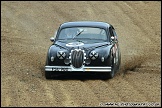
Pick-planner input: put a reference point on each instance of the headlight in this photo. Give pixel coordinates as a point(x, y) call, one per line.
point(61, 54)
point(93, 55)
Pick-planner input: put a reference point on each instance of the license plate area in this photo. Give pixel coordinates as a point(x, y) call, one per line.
point(59, 69)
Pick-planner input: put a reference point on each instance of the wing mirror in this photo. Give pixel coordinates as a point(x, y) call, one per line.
point(52, 39)
point(112, 38)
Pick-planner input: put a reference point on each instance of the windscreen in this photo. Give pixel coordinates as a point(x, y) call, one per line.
point(83, 33)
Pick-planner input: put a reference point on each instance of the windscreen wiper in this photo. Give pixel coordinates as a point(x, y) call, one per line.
point(78, 34)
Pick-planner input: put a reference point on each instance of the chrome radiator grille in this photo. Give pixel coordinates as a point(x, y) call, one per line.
point(77, 58)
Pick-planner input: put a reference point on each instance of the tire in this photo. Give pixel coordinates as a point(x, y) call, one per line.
point(109, 75)
point(48, 75)
point(119, 61)
point(112, 73)
point(104, 76)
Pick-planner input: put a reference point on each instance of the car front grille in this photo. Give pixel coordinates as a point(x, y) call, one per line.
point(77, 58)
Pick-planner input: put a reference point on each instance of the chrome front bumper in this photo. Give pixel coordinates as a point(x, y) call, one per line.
point(82, 69)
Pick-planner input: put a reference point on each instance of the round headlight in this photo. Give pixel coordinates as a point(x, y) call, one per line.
point(93, 55)
point(61, 54)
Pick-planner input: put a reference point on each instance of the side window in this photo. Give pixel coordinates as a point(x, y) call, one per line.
point(115, 35)
point(111, 31)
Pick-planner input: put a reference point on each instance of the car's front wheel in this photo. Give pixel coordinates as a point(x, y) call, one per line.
point(109, 75)
point(112, 73)
point(48, 74)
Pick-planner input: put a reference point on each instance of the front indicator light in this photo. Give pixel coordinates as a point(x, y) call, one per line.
point(102, 59)
point(52, 58)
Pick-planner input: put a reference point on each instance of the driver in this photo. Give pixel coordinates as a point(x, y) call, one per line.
point(70, 33)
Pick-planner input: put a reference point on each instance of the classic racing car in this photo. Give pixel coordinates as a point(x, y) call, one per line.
point(84, 47)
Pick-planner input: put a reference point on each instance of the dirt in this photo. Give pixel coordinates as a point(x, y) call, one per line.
point(26, 28)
